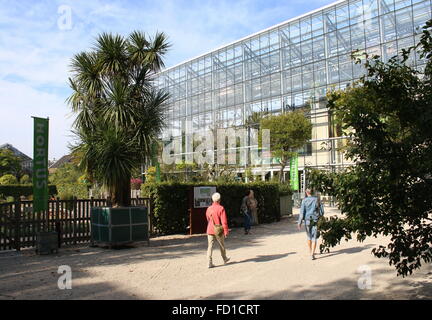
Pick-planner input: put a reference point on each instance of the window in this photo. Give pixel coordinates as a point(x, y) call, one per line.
point(318, 48)
point(342, 16)
point(404, 22)
point(333, 70)
point(286, 80)
point(372, 31)
point(388, 26)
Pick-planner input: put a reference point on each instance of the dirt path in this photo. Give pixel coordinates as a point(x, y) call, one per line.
point(271, 263)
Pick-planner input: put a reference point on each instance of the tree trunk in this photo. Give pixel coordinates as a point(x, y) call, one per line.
point(281, 172)
point(121, 194)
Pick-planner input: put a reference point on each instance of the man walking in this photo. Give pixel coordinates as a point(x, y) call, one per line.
point(217, 228)
point(311, 209)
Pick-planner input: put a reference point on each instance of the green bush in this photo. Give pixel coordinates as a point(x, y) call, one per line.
point(8, 179)
point(16, 191)
point(285, 189)
point(25, 179)
point(171, 202)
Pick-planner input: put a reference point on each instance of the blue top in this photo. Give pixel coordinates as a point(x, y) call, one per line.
point(308, 210)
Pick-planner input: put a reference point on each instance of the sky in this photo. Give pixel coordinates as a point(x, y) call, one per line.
point(38, 38)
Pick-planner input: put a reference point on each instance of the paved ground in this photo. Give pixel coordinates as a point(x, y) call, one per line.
point(271, 263)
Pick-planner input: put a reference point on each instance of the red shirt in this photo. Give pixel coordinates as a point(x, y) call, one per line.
point(219, 217)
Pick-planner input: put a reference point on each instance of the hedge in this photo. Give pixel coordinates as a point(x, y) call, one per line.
point(171, 203)
point(16, 191)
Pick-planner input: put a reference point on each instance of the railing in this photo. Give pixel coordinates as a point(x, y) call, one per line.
point(69, 218)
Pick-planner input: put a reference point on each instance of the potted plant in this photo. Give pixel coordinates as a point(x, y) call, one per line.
point(286, 201)
point(120, 114)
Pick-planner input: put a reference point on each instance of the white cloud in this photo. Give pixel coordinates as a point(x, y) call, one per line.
point(19, 103)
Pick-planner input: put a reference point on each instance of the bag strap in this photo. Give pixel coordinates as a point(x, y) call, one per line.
point(211, 216)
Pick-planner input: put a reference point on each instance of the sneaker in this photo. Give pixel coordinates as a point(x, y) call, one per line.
point(227, 260)
point(313, 257)
point(210, 265)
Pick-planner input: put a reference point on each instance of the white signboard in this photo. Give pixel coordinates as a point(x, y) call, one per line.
point(202, 196)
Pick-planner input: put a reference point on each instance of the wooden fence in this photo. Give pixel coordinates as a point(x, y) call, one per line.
point(70, 218)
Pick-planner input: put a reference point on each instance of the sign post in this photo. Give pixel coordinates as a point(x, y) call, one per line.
point(294, 173)
point(40, 165)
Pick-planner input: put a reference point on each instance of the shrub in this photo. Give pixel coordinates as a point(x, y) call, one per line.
point(285, 189)
point(25, 179)
point(171, 202)
point(8, 179)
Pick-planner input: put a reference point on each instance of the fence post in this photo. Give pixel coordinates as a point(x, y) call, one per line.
point(75, 224)
point(57, 222)
point(151, 210)
point(18, 225)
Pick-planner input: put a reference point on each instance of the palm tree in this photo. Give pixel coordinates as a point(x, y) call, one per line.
point(119, 112)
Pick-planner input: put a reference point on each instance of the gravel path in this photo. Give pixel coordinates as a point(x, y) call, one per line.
point(271, 263)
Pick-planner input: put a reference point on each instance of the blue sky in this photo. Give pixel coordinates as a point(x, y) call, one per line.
point(38, 39)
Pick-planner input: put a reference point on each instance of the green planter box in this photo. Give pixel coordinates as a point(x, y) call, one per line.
point(119, 226)
point(286, 205)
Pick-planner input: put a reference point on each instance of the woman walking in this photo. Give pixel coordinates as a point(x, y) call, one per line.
point(246, 211)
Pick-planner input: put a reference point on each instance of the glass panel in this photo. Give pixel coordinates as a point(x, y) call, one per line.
point(370, 9)
point(333, 70)
point(344, 41)
point(256, 89)
point(404, 22)
point(389, 27)
point(345, 68)
point(386, 6)
point(317, 25)
point(296, 79)
point(332, 44)
point(329, 20)
point(372, 32)
point(342, 16)
point(356, 11)
point(318, 48)
point(286, 57)
point(239, 93)
point(306, 51)
point(296, 54)
point(399, 4)
point(389, 50)
point(286, 80)
point(357, 37)
point(275, 84)
point(320, 73)
point(305, 28)
point(294, 31)
point(265, 86)
point(421, 13)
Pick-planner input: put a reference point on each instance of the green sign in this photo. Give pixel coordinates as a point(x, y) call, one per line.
point(156, 162)
point(40, 165)
point(294, 173)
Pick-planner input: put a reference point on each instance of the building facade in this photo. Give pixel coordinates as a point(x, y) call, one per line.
point(289, 65)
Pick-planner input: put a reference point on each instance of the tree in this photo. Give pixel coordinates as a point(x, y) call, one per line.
point(8, 179)
point(9, 163)
point(70, 182)
point(25, 179)
point(388, 116)
point(288, 132)
point(119, 112)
